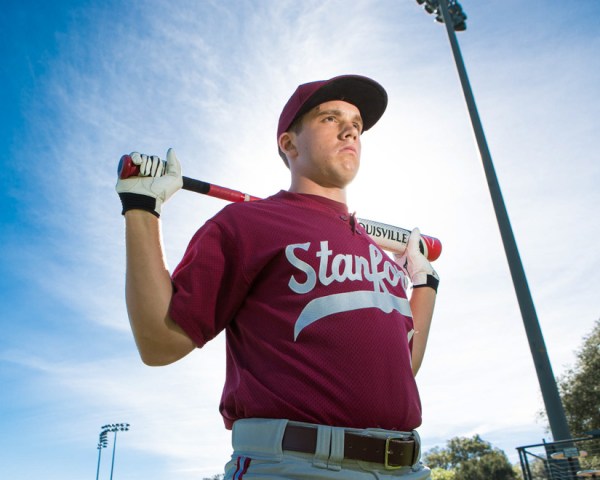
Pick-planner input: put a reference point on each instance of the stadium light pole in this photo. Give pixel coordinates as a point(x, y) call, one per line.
point(114, 427)
point(102, 443)
point(451, 14)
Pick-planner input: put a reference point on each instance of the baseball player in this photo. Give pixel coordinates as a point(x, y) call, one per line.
point(323, 343)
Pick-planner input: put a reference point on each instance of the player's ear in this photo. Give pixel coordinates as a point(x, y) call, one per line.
point(287, 144)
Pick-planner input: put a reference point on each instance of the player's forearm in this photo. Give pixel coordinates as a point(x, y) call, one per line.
point(422, 303)
point(148, 293)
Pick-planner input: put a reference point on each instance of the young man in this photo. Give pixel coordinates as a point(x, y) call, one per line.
point(322, 341)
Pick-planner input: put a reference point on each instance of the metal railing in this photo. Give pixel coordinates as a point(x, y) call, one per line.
point(573, 459)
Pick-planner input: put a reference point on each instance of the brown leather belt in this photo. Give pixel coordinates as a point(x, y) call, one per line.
point(393, 452)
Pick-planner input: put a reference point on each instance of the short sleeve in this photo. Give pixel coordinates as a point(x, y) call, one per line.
point(208, 284)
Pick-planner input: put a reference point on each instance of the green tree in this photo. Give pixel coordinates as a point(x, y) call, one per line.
point(580, 386)
point(441, 474)
point(517, 471)
point(471, 459)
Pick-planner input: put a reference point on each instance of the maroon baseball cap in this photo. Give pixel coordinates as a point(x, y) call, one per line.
point(367, 95)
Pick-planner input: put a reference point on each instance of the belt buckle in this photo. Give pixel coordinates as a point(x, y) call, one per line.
point(386, 458)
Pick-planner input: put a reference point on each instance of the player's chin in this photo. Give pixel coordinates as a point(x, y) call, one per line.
point(349, 167)
point(348, 158)
point(349, 154)
point(345, 176)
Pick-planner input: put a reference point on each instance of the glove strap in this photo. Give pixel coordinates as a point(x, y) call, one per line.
point(431, 282)
point(136, 201)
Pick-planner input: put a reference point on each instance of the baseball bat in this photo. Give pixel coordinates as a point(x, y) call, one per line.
point(388, 237)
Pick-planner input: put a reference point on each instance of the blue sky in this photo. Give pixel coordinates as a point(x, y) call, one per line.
point(84, 82)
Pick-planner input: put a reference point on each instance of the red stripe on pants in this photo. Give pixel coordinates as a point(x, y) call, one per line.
point(242, 467)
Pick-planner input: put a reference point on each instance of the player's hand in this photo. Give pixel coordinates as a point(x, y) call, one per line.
point(416, 265)
point(157, 182)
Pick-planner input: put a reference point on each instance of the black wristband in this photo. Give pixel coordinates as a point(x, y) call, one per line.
point(136, 201)
point(432, 282)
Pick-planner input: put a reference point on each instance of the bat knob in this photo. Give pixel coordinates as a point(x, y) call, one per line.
point(127, 168)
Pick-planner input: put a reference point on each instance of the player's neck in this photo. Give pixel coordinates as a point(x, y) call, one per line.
point(305, 185)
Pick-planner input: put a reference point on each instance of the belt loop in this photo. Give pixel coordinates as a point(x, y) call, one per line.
point(417, 451)
point(322, 447)
point(337, 449)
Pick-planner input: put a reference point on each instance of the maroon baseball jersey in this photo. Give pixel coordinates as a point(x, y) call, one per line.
point(318, 326)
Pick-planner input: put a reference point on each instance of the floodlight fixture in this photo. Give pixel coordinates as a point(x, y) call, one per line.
point(456, 13)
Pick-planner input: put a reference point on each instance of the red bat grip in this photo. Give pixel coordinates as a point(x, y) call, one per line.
point(228, 194)
point(128, 169)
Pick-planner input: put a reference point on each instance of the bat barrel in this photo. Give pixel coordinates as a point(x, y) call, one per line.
point(433, 247)
point(395, 239)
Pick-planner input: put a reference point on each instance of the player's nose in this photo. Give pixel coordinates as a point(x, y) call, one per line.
point(349, 129)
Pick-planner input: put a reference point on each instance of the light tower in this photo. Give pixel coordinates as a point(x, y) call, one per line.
point(450, 13)
point(113, 427)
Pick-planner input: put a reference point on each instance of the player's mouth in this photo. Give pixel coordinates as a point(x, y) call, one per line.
point(349, 149)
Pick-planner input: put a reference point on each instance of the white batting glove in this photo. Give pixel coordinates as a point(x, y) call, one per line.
point(416, 265)
point(157, 182)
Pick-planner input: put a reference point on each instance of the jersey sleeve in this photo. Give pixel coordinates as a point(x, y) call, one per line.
point(208, 284)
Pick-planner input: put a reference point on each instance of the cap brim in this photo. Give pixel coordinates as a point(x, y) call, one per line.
point(367, 95)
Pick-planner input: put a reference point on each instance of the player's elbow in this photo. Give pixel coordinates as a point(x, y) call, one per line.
point(162, 345)
point(153, 357)
point(152, 360)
